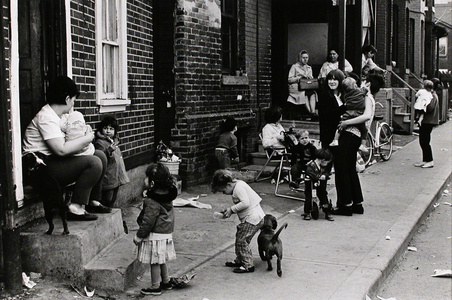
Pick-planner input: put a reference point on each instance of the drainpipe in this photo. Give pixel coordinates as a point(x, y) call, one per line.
point(258, 102)
point(12, 270)
point(342, 32)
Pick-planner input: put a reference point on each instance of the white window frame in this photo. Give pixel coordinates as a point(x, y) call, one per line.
point(116, 101)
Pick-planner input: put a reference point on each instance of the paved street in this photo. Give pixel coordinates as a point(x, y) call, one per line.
point(344, 259)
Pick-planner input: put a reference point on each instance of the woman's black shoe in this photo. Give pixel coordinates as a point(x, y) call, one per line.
point(358, 209)
point(342, 211)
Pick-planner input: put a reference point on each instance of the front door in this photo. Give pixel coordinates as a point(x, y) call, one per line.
point(42, 52)
point(164, 70)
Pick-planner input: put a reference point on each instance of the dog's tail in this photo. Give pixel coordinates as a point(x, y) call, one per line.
point(276, 235)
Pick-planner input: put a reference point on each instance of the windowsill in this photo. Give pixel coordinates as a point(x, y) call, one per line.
point(112, 105)
point(235, 80)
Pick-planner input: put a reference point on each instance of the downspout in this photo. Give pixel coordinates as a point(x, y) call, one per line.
point(258, 102)
point(10, 233)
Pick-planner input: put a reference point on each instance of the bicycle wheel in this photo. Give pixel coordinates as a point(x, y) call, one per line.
point(366, 151)
point(385, 140)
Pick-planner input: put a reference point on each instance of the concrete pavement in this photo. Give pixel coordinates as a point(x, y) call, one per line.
point(345, 259)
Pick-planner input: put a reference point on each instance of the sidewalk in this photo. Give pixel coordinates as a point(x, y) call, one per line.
point(345, 259)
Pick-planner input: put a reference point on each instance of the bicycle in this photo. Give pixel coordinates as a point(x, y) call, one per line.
point(382, 143)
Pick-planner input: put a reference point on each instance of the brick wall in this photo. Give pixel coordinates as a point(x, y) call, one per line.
point(202, 100)
point(137, 122)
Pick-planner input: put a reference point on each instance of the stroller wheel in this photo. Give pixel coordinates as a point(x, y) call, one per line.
point(315, 210)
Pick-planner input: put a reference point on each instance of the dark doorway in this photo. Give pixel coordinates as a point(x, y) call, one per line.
point(163, 69)
point(42, 52)
point(286, 14)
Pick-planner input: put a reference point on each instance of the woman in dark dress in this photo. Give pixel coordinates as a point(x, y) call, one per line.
point(330, 107)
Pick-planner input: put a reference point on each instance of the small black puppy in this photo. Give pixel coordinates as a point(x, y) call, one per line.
point(48, 188)
point(269, 243)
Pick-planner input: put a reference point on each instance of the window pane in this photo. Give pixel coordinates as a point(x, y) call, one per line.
point(112, 21)
point(104, 19)
point(110, 67)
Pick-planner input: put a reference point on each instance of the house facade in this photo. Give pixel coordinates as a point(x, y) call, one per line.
point(172, 70)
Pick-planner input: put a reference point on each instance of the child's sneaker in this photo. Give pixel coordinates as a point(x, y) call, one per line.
point(334, 143)
point(306, 217)
point(363, 148)
point(166, 286)
point(151, 291)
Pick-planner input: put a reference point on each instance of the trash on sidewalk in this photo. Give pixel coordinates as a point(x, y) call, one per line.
point(447, 203)
point(435, 205)
point(84, 292)
point(442, 273)
point(27, 282)
point(413, 249)
point(387, 238)
point(381, 298)
point(291, 211)
point(191, 202)
point(181, 282)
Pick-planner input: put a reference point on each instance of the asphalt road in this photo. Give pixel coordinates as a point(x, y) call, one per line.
point(411, 278)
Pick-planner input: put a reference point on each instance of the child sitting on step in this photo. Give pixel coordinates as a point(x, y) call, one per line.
point(107, 141)
point(302, 153)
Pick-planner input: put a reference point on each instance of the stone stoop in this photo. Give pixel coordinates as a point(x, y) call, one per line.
point(116, 267)
point(97, 253)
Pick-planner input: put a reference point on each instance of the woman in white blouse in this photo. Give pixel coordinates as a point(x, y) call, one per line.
point(331, 64)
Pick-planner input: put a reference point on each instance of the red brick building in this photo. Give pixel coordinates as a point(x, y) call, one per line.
point(171, 70)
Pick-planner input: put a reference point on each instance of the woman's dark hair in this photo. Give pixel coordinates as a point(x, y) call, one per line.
point(273, 114)
point(376, 82)
point(436, 83)
point(228, 124)
point(369, 48)
point(61, 88)
point(334, 74)
point(328, 58)
point(323, 154)
point(108, 121)
point(160, 175)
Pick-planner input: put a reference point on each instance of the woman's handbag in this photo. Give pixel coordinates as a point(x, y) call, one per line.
point(308, 84)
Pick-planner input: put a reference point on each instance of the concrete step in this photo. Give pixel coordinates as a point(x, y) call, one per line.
point(115, 267)
point(66, 255)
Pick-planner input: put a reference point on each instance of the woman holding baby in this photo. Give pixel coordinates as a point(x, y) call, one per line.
point(66, 159)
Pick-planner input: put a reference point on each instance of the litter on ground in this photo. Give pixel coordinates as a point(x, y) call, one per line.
point(442, 273)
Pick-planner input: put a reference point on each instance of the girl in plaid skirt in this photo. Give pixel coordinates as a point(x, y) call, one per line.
point(156, 220)
point(248, 209)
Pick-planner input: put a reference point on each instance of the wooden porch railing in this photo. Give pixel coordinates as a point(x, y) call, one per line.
point(408, 102)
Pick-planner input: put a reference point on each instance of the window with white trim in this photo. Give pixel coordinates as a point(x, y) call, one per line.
point(111, 55)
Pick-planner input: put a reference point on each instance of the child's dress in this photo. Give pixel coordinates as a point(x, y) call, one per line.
point(116, 174)
point(156, 222)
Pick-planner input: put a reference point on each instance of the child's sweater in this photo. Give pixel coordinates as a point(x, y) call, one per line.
point(303, 153)
point(228, 140)
point(157, 215)
point(314, 171)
